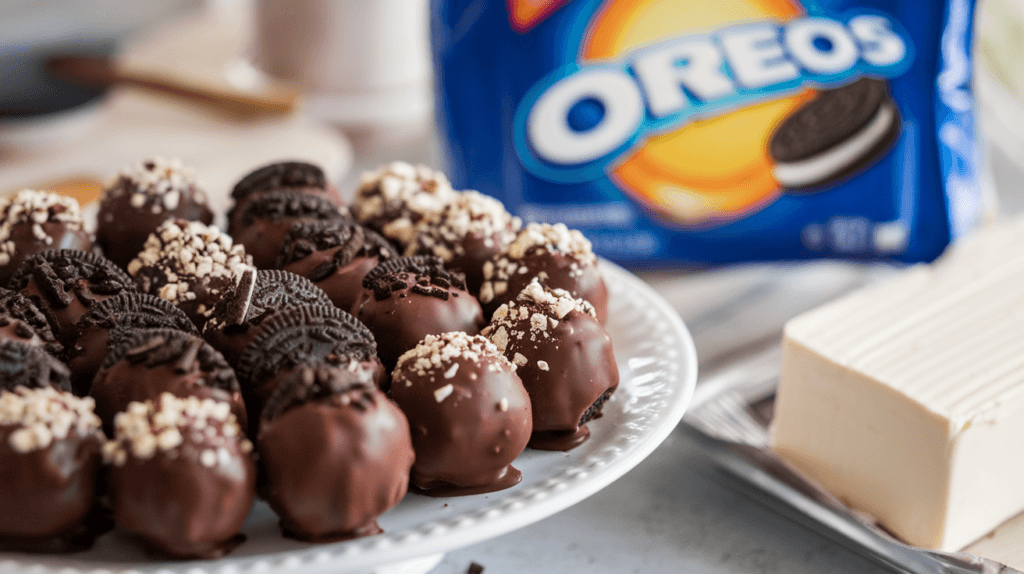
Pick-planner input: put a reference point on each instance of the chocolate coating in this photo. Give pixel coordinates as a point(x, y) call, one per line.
point(294, 176)
point(35, 221)
point(302, 335)
point(565, 361)
point(258, 295)
point(336, 255)
point(187, 497)
point(469, 413)
point(106, 325)
point(150, 362)
point(27, 365)
point(405, 299)
point(335, 453)
point(47, 488)
point(143, 197)
point(262, 226)
point(64, 284)
point(560, 257)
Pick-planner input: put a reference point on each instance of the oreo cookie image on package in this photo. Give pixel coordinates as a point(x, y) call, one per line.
point(834, 136)
point(699, 133)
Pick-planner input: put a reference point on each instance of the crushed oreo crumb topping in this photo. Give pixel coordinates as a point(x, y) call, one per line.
point(395, 197)
point(65, 274)
point(181, 254)
point(469, 213)
point(279, 176)
point(134, 310)
point(23, 364)
point(33, 207)
point(352, 240)
point(18, 306)
point(533, 239)
point(351, 384)
point(45, 415)
point(184, 352)
point(436, 354)
point(200, 430)
point(278, 205)
point(422, 274)
point(157, 183)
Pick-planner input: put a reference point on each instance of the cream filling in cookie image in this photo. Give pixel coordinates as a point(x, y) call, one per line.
point(840, 157)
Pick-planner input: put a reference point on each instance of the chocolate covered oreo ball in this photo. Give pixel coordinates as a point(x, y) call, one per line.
point(190, 264)
point(181, 475)
point(335, 255)
point(560, 257)
point(151, 362)
point(65, 284)
point(33, 221)
point(469, 413)
point(405, 299)
point(28, 365)
point(395, 198)
point(291, 176)
point(264, 222)
point(142, 197)
point(471, 230)
point(305, 335)
point(334, 453)
point(50, 443)
point(564, 359)
point(258, 295)
point(106, 325)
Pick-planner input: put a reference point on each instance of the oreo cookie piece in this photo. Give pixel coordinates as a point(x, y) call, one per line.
point(262, 226)
point(305, 335)
point(150, 362)
point(20, 308)
point(108, 323)
point(835, 135)
point(64, 284)
point(295, 176)
point(335, 255)
point(258, 295)
point(30, 366)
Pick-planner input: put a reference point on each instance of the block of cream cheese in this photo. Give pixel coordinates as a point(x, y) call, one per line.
point(906, 398)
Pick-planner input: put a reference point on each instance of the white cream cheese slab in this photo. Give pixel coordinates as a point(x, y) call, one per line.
point(906, 398)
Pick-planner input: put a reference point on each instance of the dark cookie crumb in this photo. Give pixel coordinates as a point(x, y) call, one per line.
point(279, 175)
point(65, 273)
point(187, 353)
point(431, 278)
point(314, 382)
point(354, 240)
point(278, 205)
point(26, 365)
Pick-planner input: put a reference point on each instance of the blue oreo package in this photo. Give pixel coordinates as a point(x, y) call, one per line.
point(695, 132)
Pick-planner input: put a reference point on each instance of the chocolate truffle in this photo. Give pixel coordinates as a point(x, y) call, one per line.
point(28, 365)
point(295, 176)
point(560, 257)
point(181, 475)
point(150, 362)
point(394, 199)
point(334, 453)
point(336, 255)
point(258, 295)
point(107, 323)
point(469, 414)
point(50, 455)
point(33, 221)
point(309, 334)
point(20, 308)
point(191, 265)
point(64, 284)
point(565, 361)
point(141, 198)
point(265, 221)
point(405, 299)
point(471, 230)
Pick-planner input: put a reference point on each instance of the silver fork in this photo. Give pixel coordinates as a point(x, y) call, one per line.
point(720, 419)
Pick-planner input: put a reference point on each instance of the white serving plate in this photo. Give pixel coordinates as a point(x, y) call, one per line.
point(658, 371)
